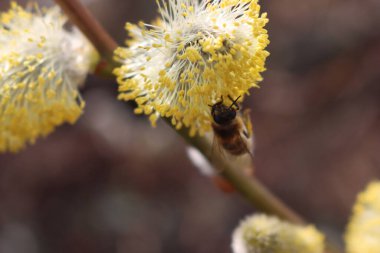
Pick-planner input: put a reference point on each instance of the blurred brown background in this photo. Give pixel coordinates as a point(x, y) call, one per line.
point(111, 183)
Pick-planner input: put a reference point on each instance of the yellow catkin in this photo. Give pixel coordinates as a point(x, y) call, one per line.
point(41, 67)
point(261, 233)
point(363, 231)
point(197, 53)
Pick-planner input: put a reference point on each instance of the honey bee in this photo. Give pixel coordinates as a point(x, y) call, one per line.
point(231, 130)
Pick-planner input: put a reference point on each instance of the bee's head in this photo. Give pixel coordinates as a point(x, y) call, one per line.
point(223, 114)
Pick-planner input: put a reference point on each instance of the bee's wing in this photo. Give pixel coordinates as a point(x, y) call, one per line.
point(216, 149)
point(247, 132)
point(247, 123)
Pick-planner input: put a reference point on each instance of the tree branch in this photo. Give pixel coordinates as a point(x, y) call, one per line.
point(102, 41)
point(252, 190)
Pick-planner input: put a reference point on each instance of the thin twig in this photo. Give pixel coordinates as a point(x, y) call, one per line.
point(252, 190)
point(102, 41)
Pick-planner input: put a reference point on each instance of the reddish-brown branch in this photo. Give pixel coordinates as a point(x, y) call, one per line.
point(85, 21)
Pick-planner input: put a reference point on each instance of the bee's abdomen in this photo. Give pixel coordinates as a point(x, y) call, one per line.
point(235, 146)
point(229, 138)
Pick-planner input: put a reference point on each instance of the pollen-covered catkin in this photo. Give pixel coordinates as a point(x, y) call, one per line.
point(197, 52)
point(41, 66)
point(363, 231)
point(261, 233)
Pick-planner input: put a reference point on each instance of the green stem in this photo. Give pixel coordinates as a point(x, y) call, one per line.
point(251, 189)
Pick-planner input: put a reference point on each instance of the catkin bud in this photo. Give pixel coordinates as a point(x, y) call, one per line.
point(261, 233)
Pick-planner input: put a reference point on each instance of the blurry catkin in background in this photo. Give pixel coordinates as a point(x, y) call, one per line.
point(41, 67)
point(260, 233)
point(363, 230)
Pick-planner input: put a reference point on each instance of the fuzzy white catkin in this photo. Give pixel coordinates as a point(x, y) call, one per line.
point(261, 233)
point(197, 52)
point(41, 67)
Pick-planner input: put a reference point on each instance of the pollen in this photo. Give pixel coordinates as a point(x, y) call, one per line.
point(197, 52)
point(363, 231)
point(41, 68)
